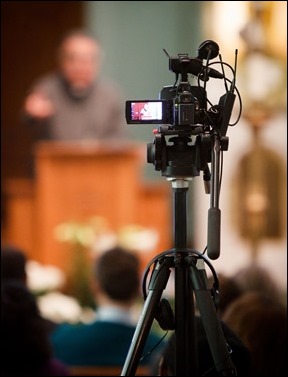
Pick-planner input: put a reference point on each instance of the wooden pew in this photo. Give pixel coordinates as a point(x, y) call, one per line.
point(142, 370)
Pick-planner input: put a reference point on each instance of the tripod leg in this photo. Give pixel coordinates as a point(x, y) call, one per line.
point(211, 324)
point(157, 284)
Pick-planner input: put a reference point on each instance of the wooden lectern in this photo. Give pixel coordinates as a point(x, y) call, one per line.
point(76, 181)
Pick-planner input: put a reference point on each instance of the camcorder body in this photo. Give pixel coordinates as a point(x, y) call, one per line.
point(177, 106)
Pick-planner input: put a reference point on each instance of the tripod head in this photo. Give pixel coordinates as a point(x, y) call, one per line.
point(181, 158)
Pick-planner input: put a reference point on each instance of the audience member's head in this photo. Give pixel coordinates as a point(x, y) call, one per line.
point(255, 278)
point(13, 268)
point(240, 355)
point(13, 264)
point(25, 343)
point(261, 323)
point(117, 277)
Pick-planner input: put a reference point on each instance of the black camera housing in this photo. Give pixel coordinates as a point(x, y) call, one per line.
point(177, 106)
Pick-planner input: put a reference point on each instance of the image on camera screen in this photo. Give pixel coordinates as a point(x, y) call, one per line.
point(146, 110)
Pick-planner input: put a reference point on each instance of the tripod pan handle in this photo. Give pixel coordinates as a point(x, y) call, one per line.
point(214, 225)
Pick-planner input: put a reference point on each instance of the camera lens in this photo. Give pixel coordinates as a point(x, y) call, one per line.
point(185, 97)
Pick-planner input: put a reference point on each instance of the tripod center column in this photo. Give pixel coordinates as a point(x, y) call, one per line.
point(180, 187)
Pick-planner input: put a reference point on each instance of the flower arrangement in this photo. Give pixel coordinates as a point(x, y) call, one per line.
point(87, 240)
point(92, 237)
point(46, 282)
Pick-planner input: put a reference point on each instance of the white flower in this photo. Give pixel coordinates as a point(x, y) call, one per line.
point(75, 233)
point(104, 242)
point(43, 277)
point(138, 238)
point(59, 307)
point(86, 234)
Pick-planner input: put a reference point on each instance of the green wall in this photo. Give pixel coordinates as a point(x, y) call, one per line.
point(134, 35)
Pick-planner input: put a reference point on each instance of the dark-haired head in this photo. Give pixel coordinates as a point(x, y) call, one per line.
point(117, 274)
point(24, 335)
point(261, 323)
point(13, 264)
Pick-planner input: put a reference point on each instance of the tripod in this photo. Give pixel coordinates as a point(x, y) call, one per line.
point(186, 106)
point(189, 277)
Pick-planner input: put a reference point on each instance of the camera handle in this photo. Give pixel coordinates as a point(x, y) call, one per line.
point(188, 278)
point(219, 143)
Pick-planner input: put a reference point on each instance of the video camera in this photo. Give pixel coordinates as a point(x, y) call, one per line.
point(182, 111)
point(172, 108)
